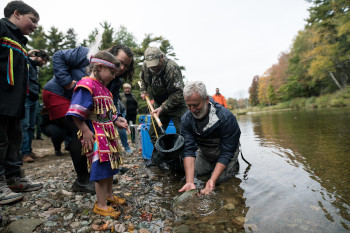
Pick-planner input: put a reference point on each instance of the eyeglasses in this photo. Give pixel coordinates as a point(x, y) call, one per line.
point(41, 54)
point(152, 57)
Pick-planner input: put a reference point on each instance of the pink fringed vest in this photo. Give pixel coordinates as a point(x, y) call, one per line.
point(102, 117)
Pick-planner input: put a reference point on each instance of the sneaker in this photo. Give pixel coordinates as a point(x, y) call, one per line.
point(27, 159)
point(7, 196)
point(89, 187)
point(109, 212)
point(128, 151)
point(116, 200)
point(23, 184)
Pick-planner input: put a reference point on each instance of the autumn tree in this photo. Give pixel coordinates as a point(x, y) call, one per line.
point(253, 91)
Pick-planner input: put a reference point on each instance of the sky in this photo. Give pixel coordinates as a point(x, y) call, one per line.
point(223, 43)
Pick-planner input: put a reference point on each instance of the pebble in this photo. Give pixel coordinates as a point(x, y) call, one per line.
point(62, 210)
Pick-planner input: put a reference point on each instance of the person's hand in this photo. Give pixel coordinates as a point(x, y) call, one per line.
point(71, 85)
point(187, 186)
point(157, 111)
point(88, 140)
point(121, 123)
point(208, 187)
point(143, 96)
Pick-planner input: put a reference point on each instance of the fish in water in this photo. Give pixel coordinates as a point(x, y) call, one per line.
point(190, 203)
point(185, 196)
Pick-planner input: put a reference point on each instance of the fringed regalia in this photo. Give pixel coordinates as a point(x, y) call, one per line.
point(101, 113)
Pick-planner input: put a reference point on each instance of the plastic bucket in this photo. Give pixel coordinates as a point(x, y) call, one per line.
point(168, 150)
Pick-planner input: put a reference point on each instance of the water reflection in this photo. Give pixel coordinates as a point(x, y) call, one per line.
point(300, 176)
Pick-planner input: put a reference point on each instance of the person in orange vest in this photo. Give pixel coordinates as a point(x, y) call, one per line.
point(219, 98)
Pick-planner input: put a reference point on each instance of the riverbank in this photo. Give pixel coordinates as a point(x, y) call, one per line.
point(338, 99)
point(57, 208)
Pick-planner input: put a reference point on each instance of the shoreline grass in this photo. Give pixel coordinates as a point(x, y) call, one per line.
point(337, 99)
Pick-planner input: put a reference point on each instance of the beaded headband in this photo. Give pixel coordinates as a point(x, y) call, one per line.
point(103, 62)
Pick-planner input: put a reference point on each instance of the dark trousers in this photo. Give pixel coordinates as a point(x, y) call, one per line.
point(165, 119)
point(131, 118)
point(10, 146)
point(56, 133)
point(79, 160)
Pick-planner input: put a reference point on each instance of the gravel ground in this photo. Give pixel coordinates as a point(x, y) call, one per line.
point(149, 194)
point(56, 208)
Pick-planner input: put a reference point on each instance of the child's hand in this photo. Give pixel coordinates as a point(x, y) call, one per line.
point(88, 140)
point(121, 123)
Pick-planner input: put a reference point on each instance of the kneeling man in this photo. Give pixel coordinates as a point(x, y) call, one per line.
point(214, 130)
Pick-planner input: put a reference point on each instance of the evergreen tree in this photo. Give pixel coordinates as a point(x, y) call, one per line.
point(253, 91)
point(91, 38)
point(107, 35)
point(37, 39)
point(123, 37)
point(55, 40)
point(70, 40)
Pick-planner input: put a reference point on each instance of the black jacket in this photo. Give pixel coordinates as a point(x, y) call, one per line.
point(34, 86)
point(13, 70)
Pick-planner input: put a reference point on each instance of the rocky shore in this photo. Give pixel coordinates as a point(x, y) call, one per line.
point(56, 208)
point(149, 194)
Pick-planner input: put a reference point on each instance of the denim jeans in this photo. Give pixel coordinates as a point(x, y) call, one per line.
point(123, 136)
point(39, 106)
point(28, 126)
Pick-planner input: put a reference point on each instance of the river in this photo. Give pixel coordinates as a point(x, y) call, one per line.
point(299, 180)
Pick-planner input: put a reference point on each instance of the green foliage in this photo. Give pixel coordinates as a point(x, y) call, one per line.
point(55, 40)
point(107, 35)
point(70, 39)
point(38, 39)
point(91, 38)
point(271, 95)
point(253, 91)
point(126, 38)
point(318, 52)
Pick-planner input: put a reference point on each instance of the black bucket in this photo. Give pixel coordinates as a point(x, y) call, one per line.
point(168, 149)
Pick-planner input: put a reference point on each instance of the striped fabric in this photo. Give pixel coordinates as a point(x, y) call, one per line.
point(13, 46)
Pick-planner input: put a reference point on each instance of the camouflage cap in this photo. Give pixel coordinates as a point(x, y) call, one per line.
point(152, 55)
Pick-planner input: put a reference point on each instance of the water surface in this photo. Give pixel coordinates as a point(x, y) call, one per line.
point(299, 180)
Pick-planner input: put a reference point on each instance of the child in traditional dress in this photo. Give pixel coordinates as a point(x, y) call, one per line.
point(95, 115)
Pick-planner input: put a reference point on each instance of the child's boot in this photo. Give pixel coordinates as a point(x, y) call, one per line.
point(109, 212)
point(116, 200)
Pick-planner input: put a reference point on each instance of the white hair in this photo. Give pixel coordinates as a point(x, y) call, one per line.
point(195, 87)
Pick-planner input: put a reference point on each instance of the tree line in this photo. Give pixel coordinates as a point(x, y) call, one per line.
point(54, 40)
point(318, 62)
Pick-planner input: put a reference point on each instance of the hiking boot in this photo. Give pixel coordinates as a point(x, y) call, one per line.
point(116, 200)
point(27, 159)
point(58, 153)
point(7, 196)
point(123, 170)
point(88, 187)
point(23, 184)
point(115, 180)
point(109, 212)
point(33, 155)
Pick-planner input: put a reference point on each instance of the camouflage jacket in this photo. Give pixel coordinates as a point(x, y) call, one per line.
point(165, 87)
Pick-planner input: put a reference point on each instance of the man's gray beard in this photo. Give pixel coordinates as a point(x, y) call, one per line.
point(202, 112)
